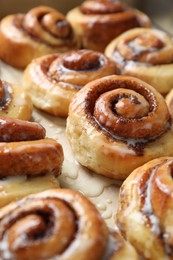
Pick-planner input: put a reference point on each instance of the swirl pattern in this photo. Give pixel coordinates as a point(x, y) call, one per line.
point(53, 80)
point(57, 224)
point(145, 53)
point(119, 121)
point(25, 156)
point(93, 18)
point(41, 31)
point(14, 101)
point(145, 206)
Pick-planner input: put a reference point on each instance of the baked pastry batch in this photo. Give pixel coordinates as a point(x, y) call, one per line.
point(106, 70)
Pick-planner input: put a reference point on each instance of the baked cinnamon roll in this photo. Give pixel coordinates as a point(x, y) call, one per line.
point(146, 54)
point(98, 22)
point(118, 123)
point(144, 213)
point(41, 31)
point(53, 80)
point(14, 101)
point(58, 224)
point(25, 156)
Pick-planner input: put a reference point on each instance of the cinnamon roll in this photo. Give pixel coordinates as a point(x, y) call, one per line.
point(144, 213)
point(58, 224)
point(53, 80)
point(14, 101)
point(98, 22)
point(25, 156)
point(118, 123)
point(41, 31)
point(146, 54)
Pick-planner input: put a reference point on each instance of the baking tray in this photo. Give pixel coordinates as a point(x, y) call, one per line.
point(102, 191)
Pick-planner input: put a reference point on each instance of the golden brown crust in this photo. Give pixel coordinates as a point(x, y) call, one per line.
point(14, 130)
point(60, 224)
point(30, 158)
point(41, 31)
point(93, 18)
point(14, 101)
point(53, 80)
point(24, 150)
point(145, 209)
point(145, 53)
point(110, 141)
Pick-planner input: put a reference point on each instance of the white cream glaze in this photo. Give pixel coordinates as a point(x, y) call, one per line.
point(147, 208)
point(122, 149)
point(20, 100)
point(112, 246)
point(4, 247)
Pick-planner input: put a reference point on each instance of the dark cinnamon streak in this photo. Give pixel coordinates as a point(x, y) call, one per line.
point(45, 212)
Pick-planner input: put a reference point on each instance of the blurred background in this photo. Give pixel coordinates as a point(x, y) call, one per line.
point(160, 11)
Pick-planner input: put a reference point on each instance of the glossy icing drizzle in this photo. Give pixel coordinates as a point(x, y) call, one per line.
point(146, 48)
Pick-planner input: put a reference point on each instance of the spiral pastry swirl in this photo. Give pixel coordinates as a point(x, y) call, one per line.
point(117, 123)
point(53, 80)
point(57, 224)
point(14, 101)
point(145, 53)
point(93, 18)
point(145, 206)
point(25, 156)
point(41, 31)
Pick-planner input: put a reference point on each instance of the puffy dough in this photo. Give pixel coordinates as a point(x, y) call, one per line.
point(118, 123)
